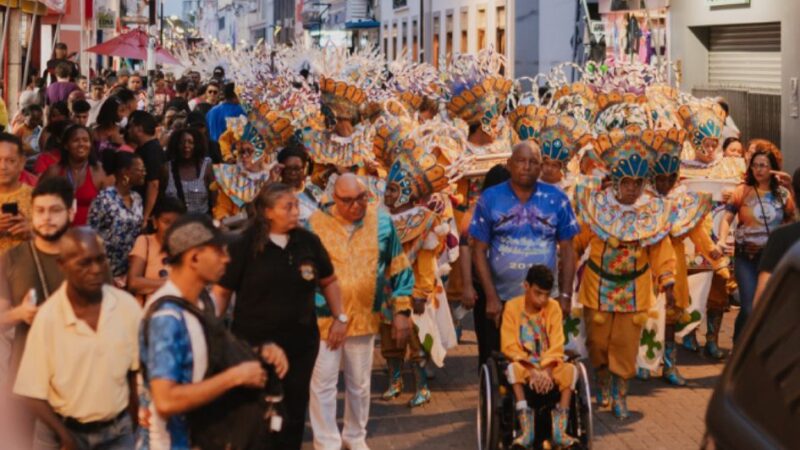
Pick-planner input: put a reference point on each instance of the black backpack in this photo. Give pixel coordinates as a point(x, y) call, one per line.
point(237, 419)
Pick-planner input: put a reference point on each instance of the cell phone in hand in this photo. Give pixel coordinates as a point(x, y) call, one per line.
point(10, 208)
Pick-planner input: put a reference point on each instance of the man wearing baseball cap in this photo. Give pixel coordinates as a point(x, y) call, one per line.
point(174, 351)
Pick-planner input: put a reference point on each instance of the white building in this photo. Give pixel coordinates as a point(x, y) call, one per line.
point(533, 34)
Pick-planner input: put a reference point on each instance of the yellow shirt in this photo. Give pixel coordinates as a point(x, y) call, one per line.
point(628, 271)
point(536, 339)
point(80, 372)
point(22, 197)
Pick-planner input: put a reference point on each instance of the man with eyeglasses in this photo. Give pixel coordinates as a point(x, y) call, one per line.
point(517, 224)
point(376, 281)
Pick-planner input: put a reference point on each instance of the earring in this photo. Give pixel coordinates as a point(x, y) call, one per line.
point(126, 180)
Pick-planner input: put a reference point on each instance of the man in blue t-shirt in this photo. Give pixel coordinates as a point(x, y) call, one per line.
point(218, 115)
point(175, 353)
point(517, 224)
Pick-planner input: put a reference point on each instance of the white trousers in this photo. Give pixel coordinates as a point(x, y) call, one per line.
point(357, 354)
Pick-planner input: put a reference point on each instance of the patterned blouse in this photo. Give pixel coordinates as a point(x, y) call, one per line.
point(117, 224)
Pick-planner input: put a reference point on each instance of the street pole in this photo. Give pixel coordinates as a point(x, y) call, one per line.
point(3, 40)
point(151, 57)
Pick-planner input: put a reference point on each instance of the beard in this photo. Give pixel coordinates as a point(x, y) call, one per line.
point(54, 236)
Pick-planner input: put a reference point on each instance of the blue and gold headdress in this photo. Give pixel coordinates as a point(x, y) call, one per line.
point(561, 137)
point(702, 122)
point(669, 144)
point(627, 152)
point(417, 173)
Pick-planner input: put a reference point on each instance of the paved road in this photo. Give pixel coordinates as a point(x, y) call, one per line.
point(663, 417)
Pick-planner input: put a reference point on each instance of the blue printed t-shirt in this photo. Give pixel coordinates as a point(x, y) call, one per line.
point(521, 235)
point(177, 352)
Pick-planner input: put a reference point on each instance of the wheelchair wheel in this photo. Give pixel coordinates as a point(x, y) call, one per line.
point(580, 421)
point(488, 424)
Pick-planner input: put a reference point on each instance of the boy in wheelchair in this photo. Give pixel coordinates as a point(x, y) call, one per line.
point(532, 339)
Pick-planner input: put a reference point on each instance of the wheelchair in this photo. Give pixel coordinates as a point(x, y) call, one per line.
point(497, 418)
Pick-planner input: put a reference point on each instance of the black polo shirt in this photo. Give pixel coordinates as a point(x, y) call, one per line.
point(275, 288)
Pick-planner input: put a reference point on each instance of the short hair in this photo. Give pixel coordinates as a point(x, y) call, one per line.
point(12, 139)
point(57, 186)
point(181, 85)
point(61, 107)
point(125, 95)
point(80, 107)
point(122, 160)
point(81, 77)
point(61, 46)
point(63, 70)
point(145, 120)
point(167, 204)
point(229, 91)
point(496, 175)
point(293, 150)
point(98, 82)
point(30, 109)
point(540, 276)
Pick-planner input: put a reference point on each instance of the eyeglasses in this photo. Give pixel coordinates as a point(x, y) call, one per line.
point(350, 201)
point(760, 166)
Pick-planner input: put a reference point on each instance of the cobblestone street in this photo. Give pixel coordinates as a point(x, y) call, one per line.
point(663, 417)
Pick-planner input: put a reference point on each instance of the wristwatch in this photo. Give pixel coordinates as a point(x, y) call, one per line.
point(342, 318)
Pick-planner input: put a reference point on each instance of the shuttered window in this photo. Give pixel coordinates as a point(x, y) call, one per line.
point(746, 56)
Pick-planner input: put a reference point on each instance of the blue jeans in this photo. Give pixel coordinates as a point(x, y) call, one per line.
point(116, 436)
point(746, 271)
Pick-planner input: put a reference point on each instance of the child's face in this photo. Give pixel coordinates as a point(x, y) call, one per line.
point(536, 296)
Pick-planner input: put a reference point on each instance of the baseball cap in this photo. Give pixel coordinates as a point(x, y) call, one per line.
point(123, 72)
point(191, 231)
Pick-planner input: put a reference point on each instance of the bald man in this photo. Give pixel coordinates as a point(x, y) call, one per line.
point(77, 371)
point(376, 282)
point(517, 224)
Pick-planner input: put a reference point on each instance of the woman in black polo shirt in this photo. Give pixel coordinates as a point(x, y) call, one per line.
point(275, 270)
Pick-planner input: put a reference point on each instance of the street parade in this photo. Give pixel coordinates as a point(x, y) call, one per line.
point(192, 254)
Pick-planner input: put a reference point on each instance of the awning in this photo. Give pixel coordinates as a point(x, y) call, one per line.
point(361, 24)
point(27, 6)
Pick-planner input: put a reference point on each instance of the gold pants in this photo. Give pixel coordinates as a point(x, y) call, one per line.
point(613, 343)
point(390, 349)
point(563, 374)
point(718, 295)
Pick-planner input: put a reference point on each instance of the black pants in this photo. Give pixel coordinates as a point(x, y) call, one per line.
point(301, 349)
point(488, 334)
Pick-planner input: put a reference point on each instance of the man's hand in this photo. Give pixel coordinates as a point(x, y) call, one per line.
point(401, 326)
point(494, 308)
point(336, 334)
point(468, 297)
point(566, 304)
point(25, 311)
point(21, 229)
point(144, 418)
point(7, 221)
point(419, 305)
point(784, 179)
point(275, 356)
point(249, 374)
point(541, 382)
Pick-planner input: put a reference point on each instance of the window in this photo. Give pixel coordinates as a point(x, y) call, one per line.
point(405, 39)
point(399, 3)
point(436, 30)
point(394, 41)
point(386, 47)
point(414, 40)
point(464, 24)
point(500, 36)
point(448, 39)
point(481, 29)
point(221, 23)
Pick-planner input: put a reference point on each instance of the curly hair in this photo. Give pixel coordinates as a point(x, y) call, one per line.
point(750, 179)
point(767, 146)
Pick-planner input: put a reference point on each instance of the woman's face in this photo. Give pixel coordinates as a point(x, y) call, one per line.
point(163, 222)
point(293, 172)
point(79, 145)
point(284, 215)
point(551, 171)
point(391, 195)
point(708, 150)
point(761, 168)
point(137, 172)
point(735, 150)
point(187, 146)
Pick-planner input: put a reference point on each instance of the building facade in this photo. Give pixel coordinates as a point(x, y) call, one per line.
point(744, 51)
point(533, 34)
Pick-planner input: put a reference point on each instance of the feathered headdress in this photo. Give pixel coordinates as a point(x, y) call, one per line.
point(561, 137)
point(669, 144)
point(416, 173)
point(627, 152)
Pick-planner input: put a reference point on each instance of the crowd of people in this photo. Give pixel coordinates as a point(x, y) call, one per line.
point(192, 268)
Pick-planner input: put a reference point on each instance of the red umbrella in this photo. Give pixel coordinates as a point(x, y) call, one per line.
point(132, 44)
